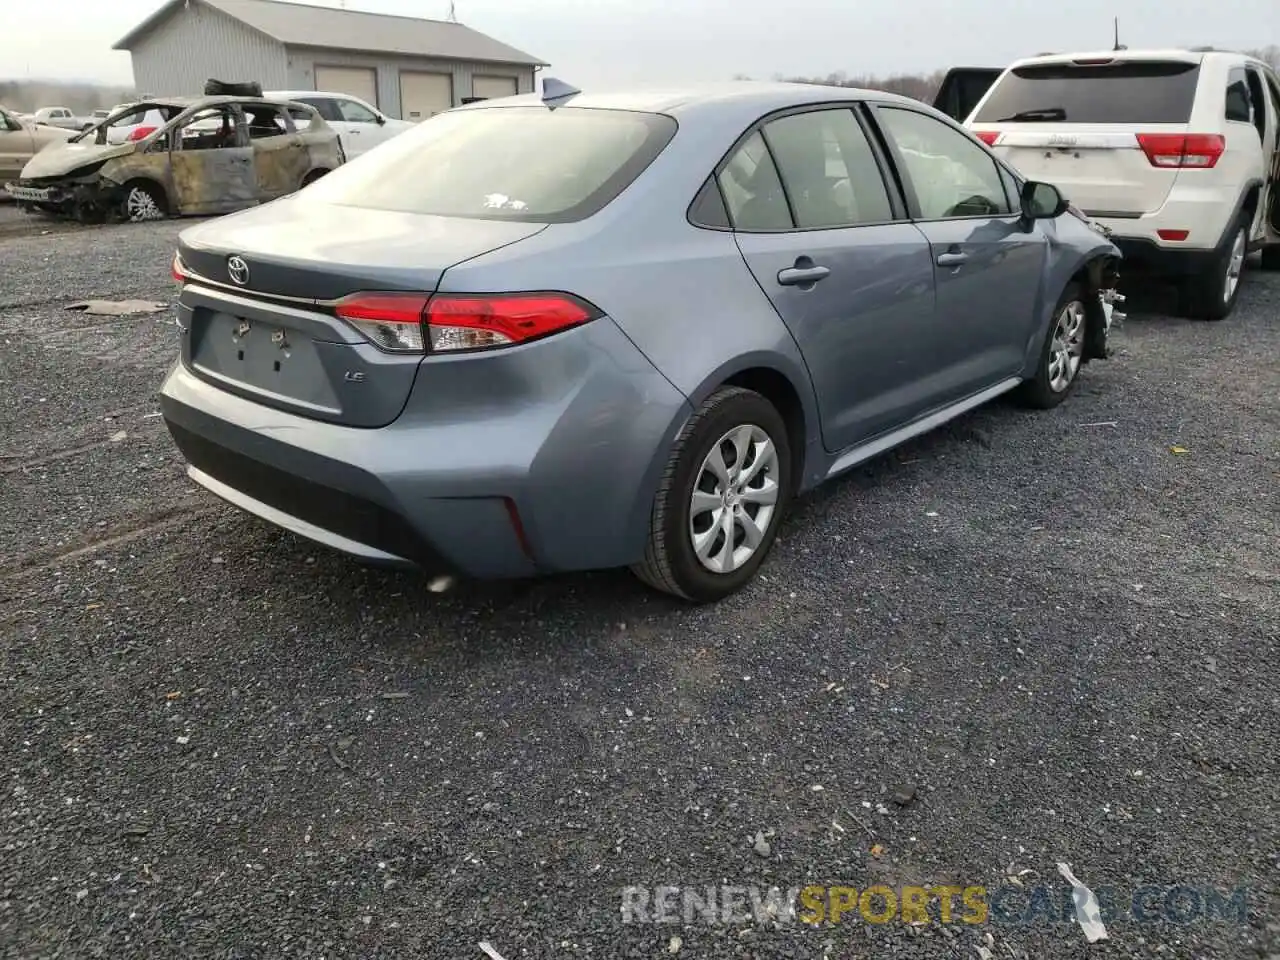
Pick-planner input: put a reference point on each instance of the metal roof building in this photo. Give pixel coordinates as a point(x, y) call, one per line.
point(407, 67)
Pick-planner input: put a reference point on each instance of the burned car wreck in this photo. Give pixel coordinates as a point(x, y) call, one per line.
point(181, 157)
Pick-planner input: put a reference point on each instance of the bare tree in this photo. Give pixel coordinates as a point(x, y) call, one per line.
point(78, 97)
point(916, 85)
point(1269, 54)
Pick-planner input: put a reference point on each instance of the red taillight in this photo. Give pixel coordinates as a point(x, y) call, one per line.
point(399, 321)
point(1173, 234)
point(1182, 150)
point(140, 133)
point(393, 321)
point(467, 322)
point(178, 270)
point(989, 137)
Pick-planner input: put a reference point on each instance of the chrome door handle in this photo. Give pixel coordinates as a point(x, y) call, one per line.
point(796, 276)
point(952, 259)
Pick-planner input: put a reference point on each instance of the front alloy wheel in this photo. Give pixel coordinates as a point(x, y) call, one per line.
point(141, 204)
point(1067, 349)
point(721, 498)
point(1063, 352)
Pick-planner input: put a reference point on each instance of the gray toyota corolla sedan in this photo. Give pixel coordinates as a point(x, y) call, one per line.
point(577, 330)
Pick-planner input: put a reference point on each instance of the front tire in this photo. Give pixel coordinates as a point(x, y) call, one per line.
point(1062, 355)
point(1212, 294)
point(143, 202)
point(721, 500)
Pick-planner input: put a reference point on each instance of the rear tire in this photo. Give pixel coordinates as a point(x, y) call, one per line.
point(1062, 355)
point(721, 500)
point(1212, 294)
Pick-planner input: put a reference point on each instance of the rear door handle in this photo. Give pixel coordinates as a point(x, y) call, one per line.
point(953, 259)
point(802, 274)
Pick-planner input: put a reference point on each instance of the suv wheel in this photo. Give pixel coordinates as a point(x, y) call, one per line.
point(721, 500)
point(1211, 295)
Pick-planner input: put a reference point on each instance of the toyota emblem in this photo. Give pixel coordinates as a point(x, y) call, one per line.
point(238, 270)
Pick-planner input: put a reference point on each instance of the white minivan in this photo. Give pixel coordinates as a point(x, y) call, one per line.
point(359, 125)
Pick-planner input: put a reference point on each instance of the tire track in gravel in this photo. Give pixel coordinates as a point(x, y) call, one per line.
point(138, 419)
point(121, 532)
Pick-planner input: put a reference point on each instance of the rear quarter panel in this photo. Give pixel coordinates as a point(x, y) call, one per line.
point(322, 147)
point(682, 295)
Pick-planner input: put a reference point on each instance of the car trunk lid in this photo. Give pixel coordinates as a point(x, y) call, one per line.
point(264, 324)
point(1101, 169)
point(1097, 126)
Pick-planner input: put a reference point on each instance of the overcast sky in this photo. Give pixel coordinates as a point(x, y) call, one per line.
point(609, 42)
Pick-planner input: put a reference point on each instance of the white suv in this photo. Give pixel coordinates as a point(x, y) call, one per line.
point(1174, 151)
point(360, 126)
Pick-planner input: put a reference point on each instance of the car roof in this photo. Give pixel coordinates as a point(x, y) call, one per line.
point(1175, 54)
point(184, 103)
point(746, 95)
point(321, 94)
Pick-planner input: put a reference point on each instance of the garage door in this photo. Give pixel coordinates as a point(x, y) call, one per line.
point(423, 95)
point(357, 81)
point(490, 88)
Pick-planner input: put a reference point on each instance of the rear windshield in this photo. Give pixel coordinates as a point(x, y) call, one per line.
point(509, 163)
point(1149, 91)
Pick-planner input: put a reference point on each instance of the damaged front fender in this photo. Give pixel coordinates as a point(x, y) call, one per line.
point(84, 194)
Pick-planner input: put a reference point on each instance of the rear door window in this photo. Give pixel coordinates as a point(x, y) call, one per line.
point(752, 189)
point(509, 163)
point(265, 122)
point(828, 170)
point(1139, 91)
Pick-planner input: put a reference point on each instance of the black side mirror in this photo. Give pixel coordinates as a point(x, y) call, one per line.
point(1042, 201)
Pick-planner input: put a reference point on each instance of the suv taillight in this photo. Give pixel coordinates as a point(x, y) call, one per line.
point(417, 323)
point(989, 137)
point(1181, 150)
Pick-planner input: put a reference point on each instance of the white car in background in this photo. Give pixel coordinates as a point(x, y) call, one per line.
point(360, 126)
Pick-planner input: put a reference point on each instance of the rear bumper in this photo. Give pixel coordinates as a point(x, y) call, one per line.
point(557, 474)
point(1203, 211)
point(1143, 254)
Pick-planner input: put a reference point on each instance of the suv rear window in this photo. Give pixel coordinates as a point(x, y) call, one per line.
point(506, 163)
point(1147, 91)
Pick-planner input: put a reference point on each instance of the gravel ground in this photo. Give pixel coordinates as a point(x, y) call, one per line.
point(222, 741)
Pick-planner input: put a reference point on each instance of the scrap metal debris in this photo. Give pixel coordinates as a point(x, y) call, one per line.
point(1087, 913)
point(904, 794)
point(117, 308)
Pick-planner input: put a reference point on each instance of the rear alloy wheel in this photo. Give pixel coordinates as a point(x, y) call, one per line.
point(721, 500)
point(1212, 294)
point(1063, 352)
point(142, 202)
